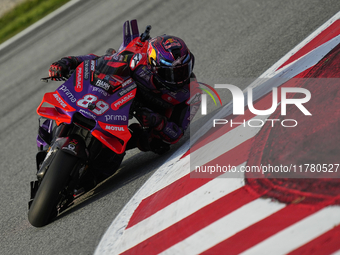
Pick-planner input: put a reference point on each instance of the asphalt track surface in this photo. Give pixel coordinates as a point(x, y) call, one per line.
point(233, 41)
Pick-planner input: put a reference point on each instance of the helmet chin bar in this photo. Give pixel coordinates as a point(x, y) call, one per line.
point(167, 85)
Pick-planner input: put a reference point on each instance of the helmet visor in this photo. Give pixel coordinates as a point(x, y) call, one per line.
point(175, 74)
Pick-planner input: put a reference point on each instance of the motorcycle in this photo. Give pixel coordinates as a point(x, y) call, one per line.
point(76, 120)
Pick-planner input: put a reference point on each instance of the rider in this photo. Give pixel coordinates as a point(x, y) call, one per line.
point(164, 78)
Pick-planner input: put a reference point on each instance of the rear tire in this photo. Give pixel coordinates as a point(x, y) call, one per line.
point(44, 206)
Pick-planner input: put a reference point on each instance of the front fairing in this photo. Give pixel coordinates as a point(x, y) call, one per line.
point(107, 105)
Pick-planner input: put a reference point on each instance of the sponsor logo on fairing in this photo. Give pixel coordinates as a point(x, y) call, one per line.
point(115, 117)
point(103, 85)
point(68, 93)
point(87, 113)
point(93, 64)
point(60, 101)
point(79, 79)
point(127, 82)
point(127, 90)
point(86, 69)
point(95, 89)
point(115, 105)
point(115, 128)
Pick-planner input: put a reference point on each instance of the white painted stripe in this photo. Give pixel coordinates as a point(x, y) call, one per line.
point(298, 234)
point(177, 211)
point(226, 227)
point(336, 253)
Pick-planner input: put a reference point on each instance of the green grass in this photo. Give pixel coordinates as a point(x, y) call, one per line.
point(24, 15)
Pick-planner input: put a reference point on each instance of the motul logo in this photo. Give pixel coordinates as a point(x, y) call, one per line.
point(114, 128)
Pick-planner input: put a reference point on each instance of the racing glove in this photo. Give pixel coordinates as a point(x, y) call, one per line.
point(60, 69)
point(170, 133)
point(150, 119)
point(144, 140)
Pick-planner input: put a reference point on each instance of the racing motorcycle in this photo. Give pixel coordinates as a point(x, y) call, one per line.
point(76, 120)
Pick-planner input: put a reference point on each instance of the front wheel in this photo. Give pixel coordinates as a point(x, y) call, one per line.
point(44, 205)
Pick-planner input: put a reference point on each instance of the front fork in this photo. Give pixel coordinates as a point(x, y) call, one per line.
point(50, 139)
point(44, 140)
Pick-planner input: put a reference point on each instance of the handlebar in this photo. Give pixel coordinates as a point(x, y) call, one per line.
point(53, 78)
point(57, 78)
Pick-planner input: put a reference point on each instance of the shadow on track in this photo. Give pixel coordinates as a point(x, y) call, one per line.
point(135, 165)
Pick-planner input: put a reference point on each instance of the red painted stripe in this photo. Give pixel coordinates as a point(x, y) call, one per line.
point(327, 243)
point(326, 35)
point(185, 185)
point(193, 223)
point(263, 229)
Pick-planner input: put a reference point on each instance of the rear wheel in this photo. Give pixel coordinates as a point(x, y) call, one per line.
point(44, 206)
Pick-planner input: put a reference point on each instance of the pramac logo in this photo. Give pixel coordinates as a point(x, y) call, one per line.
point(79, 78)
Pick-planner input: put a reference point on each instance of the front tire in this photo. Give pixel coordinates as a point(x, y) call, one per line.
point(44, 206)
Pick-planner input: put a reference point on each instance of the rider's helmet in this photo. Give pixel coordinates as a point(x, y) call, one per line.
point(170, 61)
